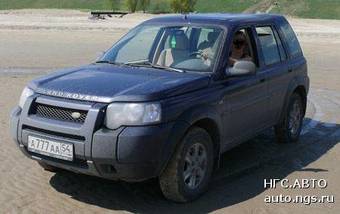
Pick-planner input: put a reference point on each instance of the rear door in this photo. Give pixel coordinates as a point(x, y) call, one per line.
point(274, 68)
point(296, 62)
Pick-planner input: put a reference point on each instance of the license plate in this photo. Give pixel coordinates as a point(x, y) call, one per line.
point(51, 148)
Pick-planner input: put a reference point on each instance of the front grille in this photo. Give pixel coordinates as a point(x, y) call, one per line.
point(59, 113)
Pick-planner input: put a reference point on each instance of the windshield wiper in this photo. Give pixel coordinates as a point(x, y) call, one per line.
point(108, 62)
point(142, 63)
point(139, 62)
point(168, 68)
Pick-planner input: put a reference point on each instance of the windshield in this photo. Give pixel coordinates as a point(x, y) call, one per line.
point(181, 48)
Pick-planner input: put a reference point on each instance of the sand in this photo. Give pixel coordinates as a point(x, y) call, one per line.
point(34, 42)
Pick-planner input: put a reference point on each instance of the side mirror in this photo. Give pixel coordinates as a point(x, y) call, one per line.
point(241, 68)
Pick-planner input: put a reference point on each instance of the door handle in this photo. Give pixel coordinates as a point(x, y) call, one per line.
point(263, 80)
point(290, 70)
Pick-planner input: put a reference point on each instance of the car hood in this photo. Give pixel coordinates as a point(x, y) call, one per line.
point(108, 83)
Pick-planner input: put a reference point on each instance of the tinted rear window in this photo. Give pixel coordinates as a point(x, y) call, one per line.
point(268, 45)
point(292, 41)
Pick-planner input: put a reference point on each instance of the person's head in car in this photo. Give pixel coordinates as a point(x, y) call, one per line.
point(238, 48)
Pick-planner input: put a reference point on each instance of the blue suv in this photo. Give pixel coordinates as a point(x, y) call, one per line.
point(167, 100)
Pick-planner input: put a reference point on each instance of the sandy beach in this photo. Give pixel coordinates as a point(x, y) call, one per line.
point(35, 42)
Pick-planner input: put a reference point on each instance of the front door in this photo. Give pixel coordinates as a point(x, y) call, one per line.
point(247, 105)
point(246, 99)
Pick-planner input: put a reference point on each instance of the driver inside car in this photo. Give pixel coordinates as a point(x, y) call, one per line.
point(239, 49)
point(179, 51)
point(209, 47)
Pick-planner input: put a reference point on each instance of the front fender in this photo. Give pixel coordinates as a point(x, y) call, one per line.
point(183, 123)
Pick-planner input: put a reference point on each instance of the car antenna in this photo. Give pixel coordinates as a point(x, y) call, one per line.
point(185, 16)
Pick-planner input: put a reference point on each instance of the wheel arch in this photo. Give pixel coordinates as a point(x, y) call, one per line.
point(205, 117)
point(297, 85)
point(209, 125)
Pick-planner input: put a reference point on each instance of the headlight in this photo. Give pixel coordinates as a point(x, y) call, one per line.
point(119, 114)
point(27, 92)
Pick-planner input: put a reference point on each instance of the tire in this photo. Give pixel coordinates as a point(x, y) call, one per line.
point(194, 145)
point(47, 167)
point(289, 129)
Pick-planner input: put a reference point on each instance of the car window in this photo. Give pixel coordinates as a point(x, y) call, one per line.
point(283, 54)
point(268, 45)
point(292, 41)
point(142, 42)
point(180, 49)
point(204, 37)
point(186, 31)
point(167, 47)
point(242, 47)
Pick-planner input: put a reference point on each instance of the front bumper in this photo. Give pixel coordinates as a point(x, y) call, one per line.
point(128, 153)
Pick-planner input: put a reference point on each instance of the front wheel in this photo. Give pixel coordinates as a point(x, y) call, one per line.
point(289, 129)
point(189, 170)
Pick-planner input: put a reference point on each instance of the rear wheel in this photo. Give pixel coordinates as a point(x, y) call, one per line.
point(189, 170)
point(47, 167)
point(289, 129)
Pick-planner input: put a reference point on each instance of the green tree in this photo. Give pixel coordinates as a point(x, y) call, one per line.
point(144, 4)
point(189, 5)
point(114, 4)
point(183, 6)
point(132, 5)
point(176, 6)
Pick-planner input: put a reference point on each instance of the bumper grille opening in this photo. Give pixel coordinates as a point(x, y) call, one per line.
point(59, 113)
point(52, 133)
